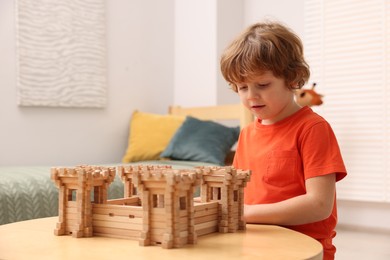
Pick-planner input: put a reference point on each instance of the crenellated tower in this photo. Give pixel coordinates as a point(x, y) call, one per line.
point(79, 187)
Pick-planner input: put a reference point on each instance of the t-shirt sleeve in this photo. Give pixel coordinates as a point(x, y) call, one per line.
point(321, 153)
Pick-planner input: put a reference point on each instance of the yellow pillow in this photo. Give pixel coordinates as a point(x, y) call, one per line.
point(149, 135)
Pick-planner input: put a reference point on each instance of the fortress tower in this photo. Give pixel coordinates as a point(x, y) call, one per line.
point(167, 201)
point(226, 185)
point(79, 187)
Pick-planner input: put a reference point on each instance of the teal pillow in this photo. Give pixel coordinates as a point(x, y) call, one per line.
point(199, 140)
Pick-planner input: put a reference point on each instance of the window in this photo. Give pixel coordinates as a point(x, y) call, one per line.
point(183, 203)
point(72, 193)
point(158, 200)
point(347, 45)
point(215, 193)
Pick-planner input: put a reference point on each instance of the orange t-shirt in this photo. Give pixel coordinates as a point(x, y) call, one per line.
point(282, 156)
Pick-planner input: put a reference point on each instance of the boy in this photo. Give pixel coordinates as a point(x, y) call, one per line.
point(292, 152)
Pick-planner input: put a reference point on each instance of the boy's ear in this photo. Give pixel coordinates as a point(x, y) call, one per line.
point(294, 86)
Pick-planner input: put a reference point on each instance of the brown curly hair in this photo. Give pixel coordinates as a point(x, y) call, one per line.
point(265, 46)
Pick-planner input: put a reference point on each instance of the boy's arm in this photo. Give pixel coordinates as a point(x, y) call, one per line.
point(315, 205)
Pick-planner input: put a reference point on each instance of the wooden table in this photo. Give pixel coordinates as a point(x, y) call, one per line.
point(34, 239)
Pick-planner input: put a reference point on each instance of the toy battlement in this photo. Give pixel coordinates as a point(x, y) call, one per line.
point(158, 207)
point(158, 173)
point(92, 171)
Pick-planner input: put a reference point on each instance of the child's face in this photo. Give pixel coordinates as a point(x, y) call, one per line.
point(268, 98)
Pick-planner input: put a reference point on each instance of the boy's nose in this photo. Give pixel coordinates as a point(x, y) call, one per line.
point(251, 93)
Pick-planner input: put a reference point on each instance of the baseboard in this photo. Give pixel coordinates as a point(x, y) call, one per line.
point(366, 229)
point(364, 216)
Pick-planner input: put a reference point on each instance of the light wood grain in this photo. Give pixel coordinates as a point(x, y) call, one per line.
point(220, 112)
point(34, 239)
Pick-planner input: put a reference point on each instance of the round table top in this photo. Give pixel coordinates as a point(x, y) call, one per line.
point(35, 239)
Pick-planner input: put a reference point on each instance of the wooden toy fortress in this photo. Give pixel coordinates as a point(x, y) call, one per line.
point(158, 207)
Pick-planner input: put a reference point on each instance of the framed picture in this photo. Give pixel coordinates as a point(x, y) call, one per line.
point(61, 53)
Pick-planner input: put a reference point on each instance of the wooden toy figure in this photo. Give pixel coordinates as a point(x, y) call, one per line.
point(308, 97)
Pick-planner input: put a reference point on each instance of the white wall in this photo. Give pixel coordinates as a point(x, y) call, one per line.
point(203, 28)
point(195, 41)
point(287, 11)
point(230, 22)
point(140, 76)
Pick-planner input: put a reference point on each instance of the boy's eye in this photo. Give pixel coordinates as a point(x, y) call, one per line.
point(241, 88)
point(263, 85)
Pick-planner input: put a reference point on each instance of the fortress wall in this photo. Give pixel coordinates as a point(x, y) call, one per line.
point(206, 218)
point(117, 221)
